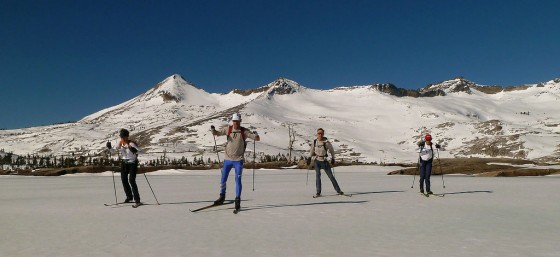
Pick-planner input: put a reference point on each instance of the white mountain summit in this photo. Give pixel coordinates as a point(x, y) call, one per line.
point(176, 89)
point(370, 123)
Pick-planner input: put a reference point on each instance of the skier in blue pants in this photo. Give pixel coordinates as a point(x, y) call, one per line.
point(426, 159)
point(235, 151)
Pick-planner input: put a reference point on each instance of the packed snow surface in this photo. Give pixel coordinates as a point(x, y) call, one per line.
point(66, 216)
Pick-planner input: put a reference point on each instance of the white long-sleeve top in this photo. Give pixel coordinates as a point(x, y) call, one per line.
point(426, 152)
point(124, 148)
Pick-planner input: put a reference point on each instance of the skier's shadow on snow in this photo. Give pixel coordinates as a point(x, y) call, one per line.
point(470, 192)
point(376, 192)
point(270, 206)
point(206, 201)
point(130, 204)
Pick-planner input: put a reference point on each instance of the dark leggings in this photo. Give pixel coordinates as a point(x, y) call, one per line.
point(128, 178)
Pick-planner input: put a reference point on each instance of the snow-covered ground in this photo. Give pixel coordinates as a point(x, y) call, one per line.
point(65, 216)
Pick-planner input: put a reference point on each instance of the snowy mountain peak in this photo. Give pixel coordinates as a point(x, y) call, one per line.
point(175, 89)
point(283, 86)
point(391, 89)
point(458, 84)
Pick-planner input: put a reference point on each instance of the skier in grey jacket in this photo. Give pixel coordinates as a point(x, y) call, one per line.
point(319, 153)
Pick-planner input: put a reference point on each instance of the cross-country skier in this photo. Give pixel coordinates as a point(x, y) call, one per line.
point(319, 152)
point(234, 156)
point(425, 160)
point(129, 165)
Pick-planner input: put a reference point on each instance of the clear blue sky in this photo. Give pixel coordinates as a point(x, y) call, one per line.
point(63, 60)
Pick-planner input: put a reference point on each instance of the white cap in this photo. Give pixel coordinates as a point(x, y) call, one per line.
point(236, 117)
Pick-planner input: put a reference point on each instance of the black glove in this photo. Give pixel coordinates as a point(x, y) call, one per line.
point(212, 128)
point(332, 161)
point(133, 150)
point(421, 143)
point(438, 146)
point(255, 132)
point(109, 144)
point(308, 161)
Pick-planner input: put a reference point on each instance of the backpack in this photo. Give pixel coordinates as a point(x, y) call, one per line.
point(230, 128)
point(431, 148)
point(324, 146)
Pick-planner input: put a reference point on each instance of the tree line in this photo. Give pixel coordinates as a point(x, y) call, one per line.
point(34, 161)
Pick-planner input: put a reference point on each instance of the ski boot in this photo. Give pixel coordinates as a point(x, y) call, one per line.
point(237, 203)
point(220, 200)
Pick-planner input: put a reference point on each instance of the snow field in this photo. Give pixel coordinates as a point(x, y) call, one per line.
point(65, 216)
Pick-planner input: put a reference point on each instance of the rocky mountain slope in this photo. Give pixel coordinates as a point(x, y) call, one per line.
point(370, 123)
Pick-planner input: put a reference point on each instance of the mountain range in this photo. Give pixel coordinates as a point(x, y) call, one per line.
point(370, 123)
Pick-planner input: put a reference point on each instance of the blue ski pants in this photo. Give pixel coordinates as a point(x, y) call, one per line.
point(324, 165)
point(238, 166)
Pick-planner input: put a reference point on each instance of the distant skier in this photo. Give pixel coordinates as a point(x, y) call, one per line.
point(425, 160)
point(129, 165)
point(234, 156)
point(319, 153)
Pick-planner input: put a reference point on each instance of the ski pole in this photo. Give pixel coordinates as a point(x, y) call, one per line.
point(253, 165)
point(307, 179)
point(215, 145)
point(112, 171)
point(114, 186)
point(151, 188)
point(439, 162)
point(417, 167)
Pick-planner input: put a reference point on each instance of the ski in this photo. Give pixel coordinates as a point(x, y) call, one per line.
point(210, 206)
point(114, 204)
point(432, 195)
point(136, 205)
point(347, 195)
point(438, 195)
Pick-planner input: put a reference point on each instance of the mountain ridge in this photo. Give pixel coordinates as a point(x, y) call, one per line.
point(364, 122)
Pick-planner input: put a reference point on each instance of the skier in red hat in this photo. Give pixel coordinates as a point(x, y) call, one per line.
point(425, 160)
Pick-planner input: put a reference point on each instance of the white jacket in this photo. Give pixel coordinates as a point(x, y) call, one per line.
point(426, 152)
point(126, 154)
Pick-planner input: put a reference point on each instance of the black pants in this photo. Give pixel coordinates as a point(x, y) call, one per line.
point(128, 178)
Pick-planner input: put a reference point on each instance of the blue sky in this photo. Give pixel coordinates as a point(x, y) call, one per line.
point(63, 60)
